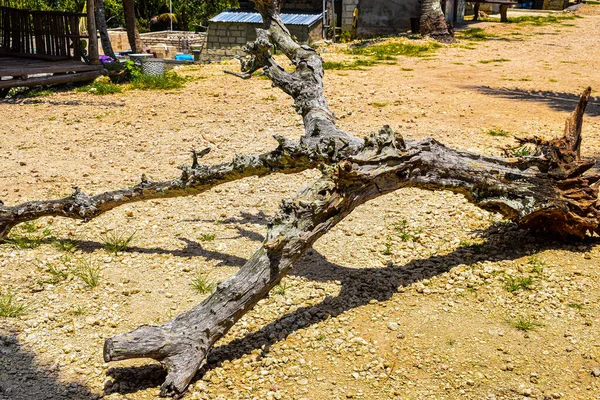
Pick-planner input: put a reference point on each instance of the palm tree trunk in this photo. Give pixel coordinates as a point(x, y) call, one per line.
point(433, 23)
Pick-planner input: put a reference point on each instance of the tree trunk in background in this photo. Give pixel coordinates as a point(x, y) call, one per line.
point(93, 55)
point(132, 33)
point(433, 23)
point(101, 26)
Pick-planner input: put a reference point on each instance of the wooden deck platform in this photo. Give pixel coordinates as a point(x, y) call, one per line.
point(28, 72)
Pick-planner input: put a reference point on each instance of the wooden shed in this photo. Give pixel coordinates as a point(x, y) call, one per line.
point(46, 47)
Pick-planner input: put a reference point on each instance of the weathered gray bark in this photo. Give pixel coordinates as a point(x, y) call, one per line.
point(289, 157)
point(552, 192)
point(433, 22)
point(102, 29)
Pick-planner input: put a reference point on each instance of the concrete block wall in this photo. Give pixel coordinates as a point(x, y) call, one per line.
point(348, 7)
point(386, 17)
point(226, 39)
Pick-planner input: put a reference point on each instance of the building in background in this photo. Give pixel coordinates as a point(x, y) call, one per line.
point(313, 20)
point(229, 31)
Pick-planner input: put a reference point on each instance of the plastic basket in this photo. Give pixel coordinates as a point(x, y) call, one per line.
point(153, 66)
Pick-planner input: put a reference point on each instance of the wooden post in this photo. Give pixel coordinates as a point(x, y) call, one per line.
point(93, 54)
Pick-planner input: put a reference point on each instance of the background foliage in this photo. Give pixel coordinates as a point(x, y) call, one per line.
point(189, 14)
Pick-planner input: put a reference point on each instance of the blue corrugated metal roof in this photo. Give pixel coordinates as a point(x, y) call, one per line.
point(252, 17)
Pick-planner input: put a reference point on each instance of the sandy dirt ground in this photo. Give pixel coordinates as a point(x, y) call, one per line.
point(411, 297)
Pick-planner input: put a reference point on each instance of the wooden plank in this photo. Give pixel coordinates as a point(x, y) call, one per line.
point(46, 57)
point(40, 45)
point(75, 38)
point(47, 69)
point(47, 36)
point(50, 80)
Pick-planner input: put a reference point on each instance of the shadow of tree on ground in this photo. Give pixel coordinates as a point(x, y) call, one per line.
point(556, 100)
point(358, 288)
point(22, 378)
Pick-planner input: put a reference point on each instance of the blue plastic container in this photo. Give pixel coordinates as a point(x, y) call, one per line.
point(184, 57)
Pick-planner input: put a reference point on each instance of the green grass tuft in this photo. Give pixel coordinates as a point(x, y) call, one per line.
point(515, 283)
point(390, 50)
point(79, 310)
point(497, 132)
point(87, 272)
point(474, 34)
point(521, 151)
point(388, 246)
point(280, 289)
point(403, 230)
point(207, 237)
point(170, 80)
point(10, 307)
point(27, 236)
point(576, 306)
point(494, 60)
point(537, 265)
point(100, 88)
point(66, 245)
point(524, 323)
point(202, 284)
point(354, 65)
point(475, 247)
point(115, 242)
point(541, 20)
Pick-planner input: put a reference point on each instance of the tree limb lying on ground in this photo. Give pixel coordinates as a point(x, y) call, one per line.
point(553, 191)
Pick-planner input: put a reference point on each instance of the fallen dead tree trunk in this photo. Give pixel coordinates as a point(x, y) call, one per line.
point(386, 163)
point(552, 191)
